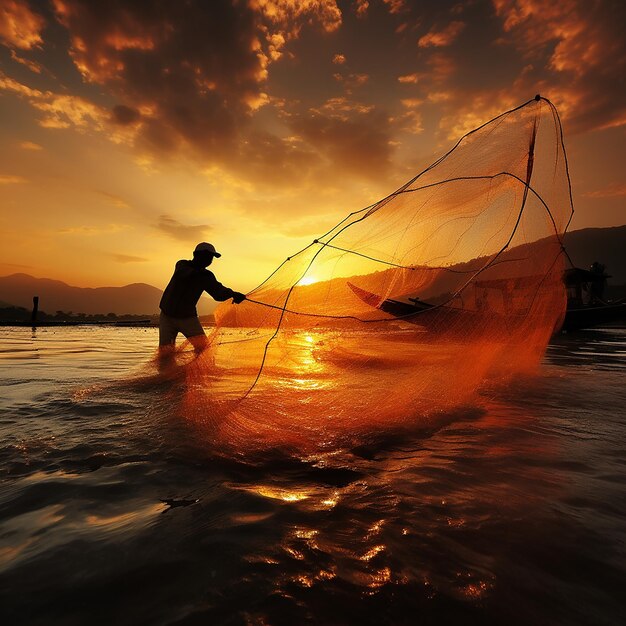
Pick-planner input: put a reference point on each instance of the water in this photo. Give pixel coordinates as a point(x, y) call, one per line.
point(115, 510)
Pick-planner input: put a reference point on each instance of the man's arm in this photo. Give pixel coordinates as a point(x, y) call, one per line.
point(219, 292)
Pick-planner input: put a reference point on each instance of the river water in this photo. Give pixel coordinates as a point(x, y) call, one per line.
point(114, 510)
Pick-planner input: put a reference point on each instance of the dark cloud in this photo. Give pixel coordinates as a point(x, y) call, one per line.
point(33, 66)
point(397, 6)
point(572, 52)
point(183, 232)
point(357, 142)
point(20, 26)
point(268, 160)
point(125, 115)
point(440, 37)
point(192, 77)
point(578, 54)
point(193, 73)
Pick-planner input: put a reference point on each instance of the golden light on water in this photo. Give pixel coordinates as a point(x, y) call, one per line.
point(125, 519)
point(370, 554)
point(275, 493)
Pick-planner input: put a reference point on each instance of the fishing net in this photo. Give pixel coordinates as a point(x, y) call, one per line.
point(406, 307)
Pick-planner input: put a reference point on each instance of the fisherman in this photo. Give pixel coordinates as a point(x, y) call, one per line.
point(178, 304)
point(597, 284)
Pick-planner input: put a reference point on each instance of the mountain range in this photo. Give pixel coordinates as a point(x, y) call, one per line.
point(55, 295)
point(607, 245)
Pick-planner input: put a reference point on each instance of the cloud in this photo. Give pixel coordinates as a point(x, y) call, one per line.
point(290, 15)
point(396, 6)
point(342, 108)
point(353, 138)
point(444, 37)
point(351, 81)
point(92, 230)
point(64, 111)
point(187, 79)
point(33, 66)
point(10, 179)
point(410, 119)
point(20, 27)
point(579, 52)
point(117, 201)
point(474, 110)
point(127, 258)
point(409, 122)
point(339, 59)
point(269, 161)
point(361, 7)
point(441, 67)
point(614, 190)
point(439, 96)
point(61, 110)
point(186, 76)
point(182, 232)
point(572, 52)
point(125, 115)
point(408, 79)
point(30, 145)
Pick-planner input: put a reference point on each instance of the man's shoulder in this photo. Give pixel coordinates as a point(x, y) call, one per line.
point(208, 274)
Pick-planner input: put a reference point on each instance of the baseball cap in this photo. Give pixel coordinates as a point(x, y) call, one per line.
point(207, 247)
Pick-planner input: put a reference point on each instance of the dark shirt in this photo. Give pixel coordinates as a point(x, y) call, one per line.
point(185, 288)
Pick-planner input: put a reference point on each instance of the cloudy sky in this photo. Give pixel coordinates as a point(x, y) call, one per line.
point(131, 130)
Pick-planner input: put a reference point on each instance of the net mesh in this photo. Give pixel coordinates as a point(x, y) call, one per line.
point(406, 307)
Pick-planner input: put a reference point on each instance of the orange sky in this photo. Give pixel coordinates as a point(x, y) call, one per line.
point(132, 130)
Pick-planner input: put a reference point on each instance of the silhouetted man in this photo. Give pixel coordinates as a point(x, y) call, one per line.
point(178, 304)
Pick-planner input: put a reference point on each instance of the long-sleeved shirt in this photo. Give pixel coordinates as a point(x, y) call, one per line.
point(185, 288)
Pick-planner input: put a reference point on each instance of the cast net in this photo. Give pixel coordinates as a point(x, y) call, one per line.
point(405, 307)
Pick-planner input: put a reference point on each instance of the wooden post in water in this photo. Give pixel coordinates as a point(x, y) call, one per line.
point(33, 317)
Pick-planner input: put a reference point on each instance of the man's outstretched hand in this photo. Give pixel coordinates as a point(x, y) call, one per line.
point(238, 297)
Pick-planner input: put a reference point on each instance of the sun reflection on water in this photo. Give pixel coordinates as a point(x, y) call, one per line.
point(276, 493)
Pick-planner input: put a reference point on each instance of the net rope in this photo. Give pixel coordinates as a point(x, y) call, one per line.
point(455, 274)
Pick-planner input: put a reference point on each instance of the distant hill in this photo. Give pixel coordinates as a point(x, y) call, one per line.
point(606, 245)
point(54, 295)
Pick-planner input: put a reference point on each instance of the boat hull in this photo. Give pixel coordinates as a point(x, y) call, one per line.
point(583, 317)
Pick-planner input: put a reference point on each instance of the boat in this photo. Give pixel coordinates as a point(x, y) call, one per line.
point(585, 306)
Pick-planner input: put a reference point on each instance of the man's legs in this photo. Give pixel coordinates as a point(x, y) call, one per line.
point(167, 341)
point(193, 331)
point(168, 329)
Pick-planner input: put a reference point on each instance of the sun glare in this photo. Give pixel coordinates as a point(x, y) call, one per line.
point(307, 280)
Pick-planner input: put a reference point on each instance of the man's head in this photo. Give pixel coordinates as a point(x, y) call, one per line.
point(204, 254)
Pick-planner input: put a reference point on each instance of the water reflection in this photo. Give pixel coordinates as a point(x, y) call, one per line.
point(602, 348)
point(506, 510)
point(123, 520)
